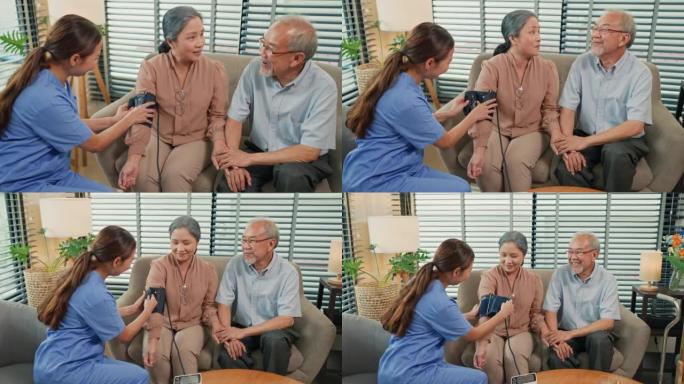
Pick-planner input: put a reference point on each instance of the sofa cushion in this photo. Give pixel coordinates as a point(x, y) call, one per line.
point(362, 378)
point(17, 373)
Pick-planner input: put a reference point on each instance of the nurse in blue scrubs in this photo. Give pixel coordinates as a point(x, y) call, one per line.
point(39, 121)
point(424, 318)
point(394, 122)
point(82, 315)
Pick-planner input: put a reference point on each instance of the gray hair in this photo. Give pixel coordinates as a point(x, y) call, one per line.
point(301, 35)
point(187, 222)
point(627, 23)
point(511, 25)
point(593, 240)
point(175, 19)
point(270, 227)
point(516, 238)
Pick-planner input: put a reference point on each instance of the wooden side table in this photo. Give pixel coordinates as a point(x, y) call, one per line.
point(583, 376)
point(241, 376)
point(333, 314)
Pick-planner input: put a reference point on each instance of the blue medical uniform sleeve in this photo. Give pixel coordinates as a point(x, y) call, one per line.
point(103, 318)
point(60, 126)
point(416, 124)
point(450, 323)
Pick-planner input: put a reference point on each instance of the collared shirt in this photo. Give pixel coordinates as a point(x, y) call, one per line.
point(192, 111)
point(529, 294)
point(188, 302)
point(70, 351)
point(524, 105)
point(608, 97)
point(417, 355)
point(392, 150)
point(257, 297)
point(303, 111)
point(579, 303)
point(36, 145)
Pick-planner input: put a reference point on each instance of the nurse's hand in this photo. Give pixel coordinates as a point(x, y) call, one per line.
point(457, 105)
point(141, 114)
point(150, 304)
point(139, 304)
point(476, 164)
point(507, 308)
point(150, 357)
point(483, 111)
point(129, 174)
point(120, 112)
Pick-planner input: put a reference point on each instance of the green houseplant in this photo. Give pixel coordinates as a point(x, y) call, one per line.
point(72, 248)
point(406, 264)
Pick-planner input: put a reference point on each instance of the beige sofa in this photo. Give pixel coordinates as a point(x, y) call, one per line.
point(632, 334)
point(20, 335)
point(659, 171)
point(113, 158)
point(310, 351)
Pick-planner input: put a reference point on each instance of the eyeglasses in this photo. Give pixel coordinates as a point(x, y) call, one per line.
point(251, 242)
point(578, 252)
point(269, 50)
point(603, 30)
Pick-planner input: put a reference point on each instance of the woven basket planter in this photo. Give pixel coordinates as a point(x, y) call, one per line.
point(372, 300)
point(365, 74)
point(40, 284)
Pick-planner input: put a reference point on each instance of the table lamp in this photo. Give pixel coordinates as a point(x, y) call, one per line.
point(65, 217)
point(335, 262)
point(394, 18)
point(650, 268)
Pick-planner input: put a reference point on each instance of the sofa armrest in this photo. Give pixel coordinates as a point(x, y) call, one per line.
point(665, 158)
point(450, 155)
point(316, 338)
point(107, 158)
point(363, 342)
point(633, 335)
point(21, 333)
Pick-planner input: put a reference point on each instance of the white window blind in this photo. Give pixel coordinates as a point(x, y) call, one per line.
point(12, 231)
point(352, 28)
point(21, 17)
point(231, 26)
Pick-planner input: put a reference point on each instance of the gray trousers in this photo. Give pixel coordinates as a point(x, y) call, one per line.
point(275, 349)
point(619, 161)
point(287, 177)
point(599, 346)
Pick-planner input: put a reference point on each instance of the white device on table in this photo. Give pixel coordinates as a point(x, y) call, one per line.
point(530, 378)
point(193, 378)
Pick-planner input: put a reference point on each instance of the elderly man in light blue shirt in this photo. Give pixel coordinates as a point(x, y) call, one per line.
point(292, 103)
point(258, 299)
point(581, 307)
point(612, 90)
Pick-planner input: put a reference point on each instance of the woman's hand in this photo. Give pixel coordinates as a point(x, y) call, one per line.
point(129, 173)
point(476, 164)
point(483, 111)
point(235, 348)
point(141, 114)
point(480, 358)
point(150, 356)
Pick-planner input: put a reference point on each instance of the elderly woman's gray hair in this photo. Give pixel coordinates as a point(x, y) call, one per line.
point(627, 24)
point(516, 238)
point(301, 35)
point(187, 222)
point(175, 19)
point(511, 25)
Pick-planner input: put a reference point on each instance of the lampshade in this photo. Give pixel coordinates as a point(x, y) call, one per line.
point(335, 257)
point(393, 234)
point(92, 10)
point(401, 18)
point(65, 217)
point(650, 265)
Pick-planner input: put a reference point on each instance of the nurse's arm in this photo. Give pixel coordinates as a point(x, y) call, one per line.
point(483, 329)
point(99, 124)
point(452, 136)
point(134, 327)
point(100, 141)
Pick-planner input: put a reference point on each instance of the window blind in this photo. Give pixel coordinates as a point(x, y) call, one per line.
point(20, 17)
point(12, 231)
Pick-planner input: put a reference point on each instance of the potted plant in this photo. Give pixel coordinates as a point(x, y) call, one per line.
point(373, 298)
point(71, 249)
point(406, 264)
point(351, 49)
point(675, 255)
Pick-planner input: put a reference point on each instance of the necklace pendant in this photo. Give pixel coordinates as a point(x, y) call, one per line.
point(184, 286)
point(520, 88)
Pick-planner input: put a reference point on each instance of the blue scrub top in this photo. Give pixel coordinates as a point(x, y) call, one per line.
point(92, 318)
point(36, 145)
point(392, 150)
point(417, 355)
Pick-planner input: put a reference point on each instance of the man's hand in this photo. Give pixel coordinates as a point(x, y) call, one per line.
point(571, 143)
point(563, 350)
point(557, 337)
point(574, 161)
point(235, 348)
point(237, 179)
point(234, 158)
point(222, 335)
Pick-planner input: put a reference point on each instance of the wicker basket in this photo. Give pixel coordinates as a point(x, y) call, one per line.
point(40, 284)
point(365, 74)
point(372, 300)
